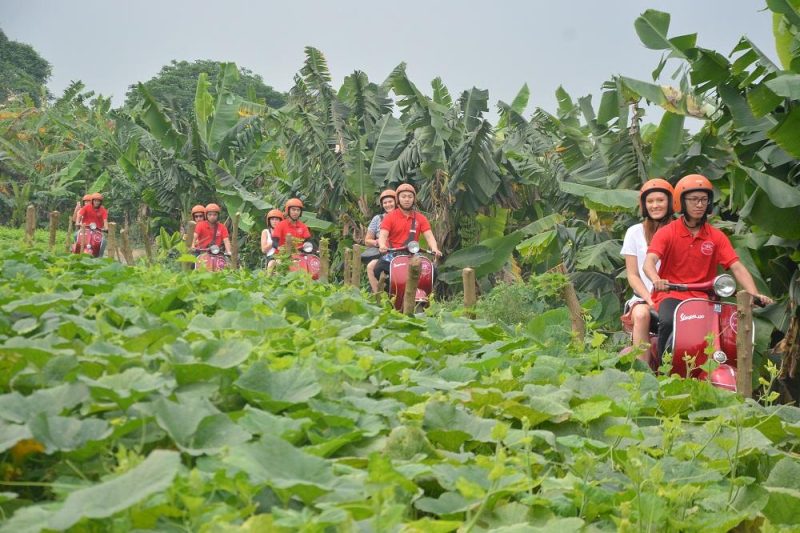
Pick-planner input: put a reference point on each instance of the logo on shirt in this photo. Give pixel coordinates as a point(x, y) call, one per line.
point(690, 317)
point(707, 248)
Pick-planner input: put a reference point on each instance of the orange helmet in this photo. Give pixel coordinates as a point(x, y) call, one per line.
point(97, 196)
point(198, 209)
point(660, 185)
point(293, 202)
point(87, 197)
point(688, 183)
point(274, 213)
point(213, 207)
point(388, 193)
point(405, 187)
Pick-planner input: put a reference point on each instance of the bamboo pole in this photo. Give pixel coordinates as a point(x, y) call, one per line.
point(53, 229)
point(412, 282)
point(744, 344)
point(235, 240)
point(113, 246)
point(574, 307)
point(30, 224)
point(188, 237)
point(148, 247)
point(355, 267)
point(324, 260)
point(470, 298)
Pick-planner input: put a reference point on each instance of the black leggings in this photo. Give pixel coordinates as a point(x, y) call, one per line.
point(666, 312)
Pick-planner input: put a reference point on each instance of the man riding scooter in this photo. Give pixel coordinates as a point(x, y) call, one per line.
point(402, 226)
point(388, 201)
point(92, 213)
point(210, 232)
point(291, 225)
point(690, 249)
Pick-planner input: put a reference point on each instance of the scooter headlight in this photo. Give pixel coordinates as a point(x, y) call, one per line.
point(308, 247)
point(214, 249)
point(413, 247)
point(92, 226)
point(724, 285)
point(720, 357)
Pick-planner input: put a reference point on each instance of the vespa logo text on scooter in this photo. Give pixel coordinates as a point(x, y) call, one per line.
point(691, 317)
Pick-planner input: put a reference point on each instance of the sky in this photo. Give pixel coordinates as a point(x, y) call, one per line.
point(111, 44)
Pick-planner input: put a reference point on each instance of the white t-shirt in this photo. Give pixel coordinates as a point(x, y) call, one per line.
point(269, 236)
point(636, 245)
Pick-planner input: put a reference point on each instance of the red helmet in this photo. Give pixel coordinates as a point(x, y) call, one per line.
point(198, 209)
point(388, 193)
point(293, 202)
point(274, 213)
point(87, 197)
point(692, 182)
point(213, 207)
point(660, 185)
point(97, 196)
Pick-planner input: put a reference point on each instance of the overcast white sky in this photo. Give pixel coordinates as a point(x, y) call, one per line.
point(111, 44)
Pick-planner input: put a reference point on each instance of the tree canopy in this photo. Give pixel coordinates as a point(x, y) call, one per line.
point(175, 86)
point(22, 70)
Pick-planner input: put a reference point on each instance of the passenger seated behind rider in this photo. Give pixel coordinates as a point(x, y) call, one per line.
point(690, 249)
point(269, 243)
point(292, 225)
point(655, 206)
point(94, 212)
point(388, 201)
point(211, 231)
point(397, 229)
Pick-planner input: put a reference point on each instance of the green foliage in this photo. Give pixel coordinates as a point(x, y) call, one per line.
point(23, 72)
point(139, 398)
point(176, 83)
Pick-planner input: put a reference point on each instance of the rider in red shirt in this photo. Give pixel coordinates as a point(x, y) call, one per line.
point(93, 212)
point(396, 228)
point(292, 225)
point(690, 249)
point(211, 232)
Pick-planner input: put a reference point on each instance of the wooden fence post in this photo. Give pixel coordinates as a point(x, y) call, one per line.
point(235, 240)
point(574, 307)
point(324, 260)
point(409, 297)
point(113, 246)
point(53, 228)
point(346, 257)
point(148, 247)
point(470, 299)
point(126, 246)
point(381, 288)
point(188, 237)
point(744, 344)
point(30, 224)
point(70, 229)
point(355, 267)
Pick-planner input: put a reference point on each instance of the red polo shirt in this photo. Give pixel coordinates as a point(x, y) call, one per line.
point(90, 214)
point(285, 227)
point(206, 236)
point(689, 259)
point(398, 224)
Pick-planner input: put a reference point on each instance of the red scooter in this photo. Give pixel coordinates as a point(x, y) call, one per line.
point(307, 259)
point(89, 241)
point(694, 320)
point(211, 259)
point(398, 275)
